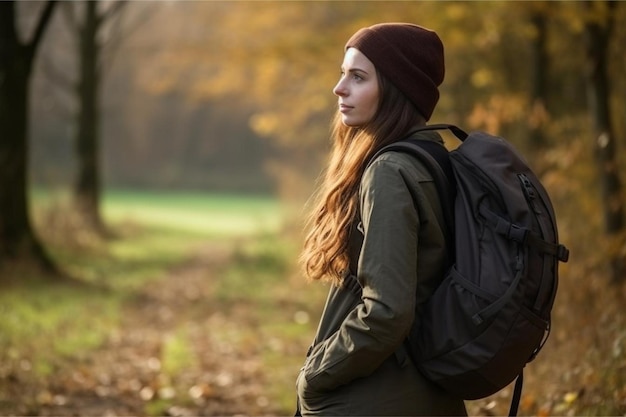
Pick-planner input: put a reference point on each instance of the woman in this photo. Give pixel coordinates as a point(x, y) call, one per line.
point(384, 224)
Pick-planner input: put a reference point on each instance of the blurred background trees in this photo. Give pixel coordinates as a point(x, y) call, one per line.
point(87, 184)
point(17, 55)
point(599, 27)
point(236, 96)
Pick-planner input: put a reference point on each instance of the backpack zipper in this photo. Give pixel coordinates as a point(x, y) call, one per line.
point(529, 192)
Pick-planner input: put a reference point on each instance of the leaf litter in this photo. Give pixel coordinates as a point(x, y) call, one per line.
point(180, 351)
point(127, 375)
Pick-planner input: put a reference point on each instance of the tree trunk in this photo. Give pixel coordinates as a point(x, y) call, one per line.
point(17, 237)
point(87, 188)
point(538, 113)
point(597, 38)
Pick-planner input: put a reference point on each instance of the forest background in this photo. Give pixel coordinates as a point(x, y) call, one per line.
point(171, 147)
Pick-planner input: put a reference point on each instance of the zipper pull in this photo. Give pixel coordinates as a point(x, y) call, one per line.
point(528, 186)
point(530, 192)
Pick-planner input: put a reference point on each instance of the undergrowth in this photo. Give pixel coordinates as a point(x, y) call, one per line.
point(258, 315)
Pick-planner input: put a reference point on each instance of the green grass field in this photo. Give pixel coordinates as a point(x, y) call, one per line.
point(208, 214)
point(205, 214)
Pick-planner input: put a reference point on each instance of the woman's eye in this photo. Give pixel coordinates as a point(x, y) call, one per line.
point(353, 75)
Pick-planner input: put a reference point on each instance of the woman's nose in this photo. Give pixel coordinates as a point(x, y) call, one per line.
point(340, 89)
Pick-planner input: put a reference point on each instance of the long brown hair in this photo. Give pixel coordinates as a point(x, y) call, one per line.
point(325, 252)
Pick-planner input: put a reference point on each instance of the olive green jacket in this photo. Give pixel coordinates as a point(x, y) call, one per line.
point(357, 364)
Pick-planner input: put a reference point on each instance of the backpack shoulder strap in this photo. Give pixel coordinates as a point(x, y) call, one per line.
point(436, 159)
point(457, 131)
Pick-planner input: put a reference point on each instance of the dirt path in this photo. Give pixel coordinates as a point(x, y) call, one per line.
point(214, 374)
point(179, 351)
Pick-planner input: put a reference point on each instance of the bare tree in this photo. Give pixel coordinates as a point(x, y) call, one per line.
point(88, 184)
point(597, 39)
point(539, 62)
point(17, 238)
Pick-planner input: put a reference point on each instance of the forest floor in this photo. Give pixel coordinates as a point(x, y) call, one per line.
point(126, 375)
point(183, 350)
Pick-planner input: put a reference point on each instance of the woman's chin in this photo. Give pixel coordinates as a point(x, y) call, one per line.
point(350, 122)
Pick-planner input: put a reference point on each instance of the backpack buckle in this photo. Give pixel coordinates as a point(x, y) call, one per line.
point(517, 233)
point(511, 230)
point(562, 253)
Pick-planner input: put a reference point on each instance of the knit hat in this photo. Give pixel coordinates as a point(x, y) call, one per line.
point(410, 56)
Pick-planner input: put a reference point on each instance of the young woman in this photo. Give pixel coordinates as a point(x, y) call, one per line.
point(383, 225)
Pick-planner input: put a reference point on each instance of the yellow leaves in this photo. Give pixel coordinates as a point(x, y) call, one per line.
point(578, 14)
point(598, 12)
point(45, 397)
point(528, 402)
point(264, 124)
point(202, 390)
point(482, 77)
point(216, 82)
point(567, 403)
point(538, 115)
point(570, 397)
point(456, 11)
point(543, 412)
point(498, 110)
point(533, 402)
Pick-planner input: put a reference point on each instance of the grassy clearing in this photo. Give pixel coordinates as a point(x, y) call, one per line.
point(157, 231)
point(207, 215)
point(269, 313)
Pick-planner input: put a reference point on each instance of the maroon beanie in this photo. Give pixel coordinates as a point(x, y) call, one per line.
point(410, 56)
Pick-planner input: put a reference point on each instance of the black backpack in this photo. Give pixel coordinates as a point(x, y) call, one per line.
point(491, 314)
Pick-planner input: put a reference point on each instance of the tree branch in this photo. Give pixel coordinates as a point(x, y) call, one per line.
point(111, 45)
point(44, 19)
point(111, 11)
point(69, 11)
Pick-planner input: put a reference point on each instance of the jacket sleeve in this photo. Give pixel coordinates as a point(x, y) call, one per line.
point(374, 329)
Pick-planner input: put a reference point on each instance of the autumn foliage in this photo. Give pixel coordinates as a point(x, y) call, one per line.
point(236, 96)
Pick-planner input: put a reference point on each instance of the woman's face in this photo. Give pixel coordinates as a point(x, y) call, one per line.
point(357, 89)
